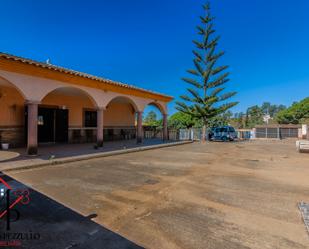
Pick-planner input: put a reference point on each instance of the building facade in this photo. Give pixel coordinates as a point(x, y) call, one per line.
point(44, 103)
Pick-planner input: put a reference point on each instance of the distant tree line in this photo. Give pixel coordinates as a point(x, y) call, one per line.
point(151, 120)
point(297, 113)
point(257, 115)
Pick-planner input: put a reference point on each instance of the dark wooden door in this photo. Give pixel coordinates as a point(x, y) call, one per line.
point(62, 125)
point(46, 126)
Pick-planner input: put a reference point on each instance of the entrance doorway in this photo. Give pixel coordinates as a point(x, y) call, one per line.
point(52, 125)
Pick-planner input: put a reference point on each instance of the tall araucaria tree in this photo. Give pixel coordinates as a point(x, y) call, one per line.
point(207, 96)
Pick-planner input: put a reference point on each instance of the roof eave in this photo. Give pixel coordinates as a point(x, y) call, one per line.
point(80, 74)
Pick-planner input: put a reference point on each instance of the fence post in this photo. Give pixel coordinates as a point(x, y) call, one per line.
point(266, 130)
point(278, 132)
point(253, 134)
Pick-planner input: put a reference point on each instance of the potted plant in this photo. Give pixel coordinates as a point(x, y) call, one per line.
point(4, 146)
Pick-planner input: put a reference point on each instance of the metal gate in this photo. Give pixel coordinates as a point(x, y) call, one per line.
point(276, 132)
point(289, 132)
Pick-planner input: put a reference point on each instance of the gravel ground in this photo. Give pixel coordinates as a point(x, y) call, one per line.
point(213, 195)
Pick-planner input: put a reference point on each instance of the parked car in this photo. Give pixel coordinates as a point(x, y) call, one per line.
point(223, 133)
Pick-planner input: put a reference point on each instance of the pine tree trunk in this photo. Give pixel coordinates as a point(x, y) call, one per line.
point(204, 134)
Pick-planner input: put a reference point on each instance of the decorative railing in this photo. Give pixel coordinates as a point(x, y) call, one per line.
point(88, 134)
point(173, 134)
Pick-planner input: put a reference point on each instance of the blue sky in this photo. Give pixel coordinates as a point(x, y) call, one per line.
point(148, 43)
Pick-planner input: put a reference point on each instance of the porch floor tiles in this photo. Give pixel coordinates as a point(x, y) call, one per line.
point(62, 153)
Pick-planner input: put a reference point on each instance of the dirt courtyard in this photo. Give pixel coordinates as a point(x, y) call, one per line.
point(216, 195)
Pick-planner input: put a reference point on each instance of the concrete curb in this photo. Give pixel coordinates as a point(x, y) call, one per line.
point(90, 156)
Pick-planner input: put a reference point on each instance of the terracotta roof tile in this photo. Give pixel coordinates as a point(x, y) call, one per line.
point(77, 73)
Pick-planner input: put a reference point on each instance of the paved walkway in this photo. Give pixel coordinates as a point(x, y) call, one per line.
point(63, 153)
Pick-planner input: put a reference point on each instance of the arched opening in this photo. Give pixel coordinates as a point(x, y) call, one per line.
point(120, 119)
point(153, 121)
point(67, 114)
point(12, 102)
point(152, 116)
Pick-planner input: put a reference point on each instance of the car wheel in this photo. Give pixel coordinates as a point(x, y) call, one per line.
point(224, 139)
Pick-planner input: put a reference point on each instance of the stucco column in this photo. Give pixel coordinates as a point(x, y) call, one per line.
point(139, 137)
point(100, 112)
point(32, 122)
point(165, 130)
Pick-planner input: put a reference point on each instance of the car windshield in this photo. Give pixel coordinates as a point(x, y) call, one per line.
point(232, 129)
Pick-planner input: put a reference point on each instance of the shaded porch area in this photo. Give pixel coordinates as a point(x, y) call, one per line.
point(70, 114)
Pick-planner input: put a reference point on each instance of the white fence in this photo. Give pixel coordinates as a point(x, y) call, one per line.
point(196, 134)
point(190, 134)
point(260, 132)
